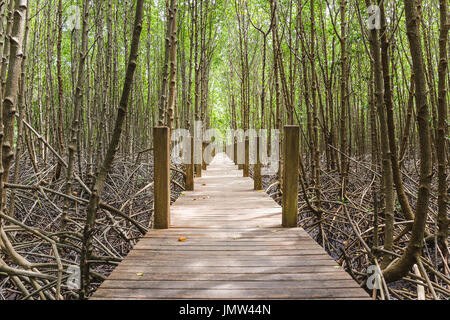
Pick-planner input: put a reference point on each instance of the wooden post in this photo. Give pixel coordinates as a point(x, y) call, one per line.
point(190, 170)
point(247, 158)
point(280, 163)
point(204, 145)
point(162, 178)
point(290, 176)
point(257, 182)
point(198, 166)
point(235, 150)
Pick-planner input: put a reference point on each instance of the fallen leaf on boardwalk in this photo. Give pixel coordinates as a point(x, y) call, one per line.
point(140, 274)
point(181, 239)
point(204, 184)
point(274, 230)
point(337, 267)
point(259, 190)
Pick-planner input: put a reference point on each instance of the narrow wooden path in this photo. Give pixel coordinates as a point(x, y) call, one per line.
point(234, 248)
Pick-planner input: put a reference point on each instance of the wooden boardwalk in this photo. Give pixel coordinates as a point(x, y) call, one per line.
point(233, 248)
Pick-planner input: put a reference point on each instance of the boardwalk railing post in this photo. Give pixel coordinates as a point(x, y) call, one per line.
point(190, 169)
point(235, 151)
point(204, 145)
point(161, 160)
point(257, 185)
point(247, 158)
point(290, 176)
point(198, 157)
point(240, 151)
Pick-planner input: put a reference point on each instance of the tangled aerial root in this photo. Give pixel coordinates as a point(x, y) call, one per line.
point(39, 260)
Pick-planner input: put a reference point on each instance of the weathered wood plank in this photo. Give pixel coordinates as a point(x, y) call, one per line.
point(199, 269)
point(229, 263)
point(144, 255)
point(233, 294)
point(215, 243)
point(229, 253)
point(228, 285)
point(284, 277)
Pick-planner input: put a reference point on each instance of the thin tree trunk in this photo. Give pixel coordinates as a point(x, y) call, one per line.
point(403, 265)
point(11, 90)
point(441, 144)
point(78, 100)
point(100, 180)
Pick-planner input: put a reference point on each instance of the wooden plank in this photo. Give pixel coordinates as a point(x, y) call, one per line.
point(150, 257)
point(233, 294)
point(236, 299)
point(294, 231)
point(236, 255)
point(227, 285)
point(199, 269)
point(284, 277)
point(229, 263)
point(233, 253)
point(226, 242)
point(202, 247)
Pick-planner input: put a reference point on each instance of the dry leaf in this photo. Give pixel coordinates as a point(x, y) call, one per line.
point(182, 239)
point(140, 274)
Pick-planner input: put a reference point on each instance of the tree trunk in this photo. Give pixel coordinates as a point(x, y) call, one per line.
point(441, 144)
point(403, 265)
point(100, 180)
point(9, 107)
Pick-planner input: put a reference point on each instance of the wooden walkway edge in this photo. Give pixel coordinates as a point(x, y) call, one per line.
point(233, 247)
